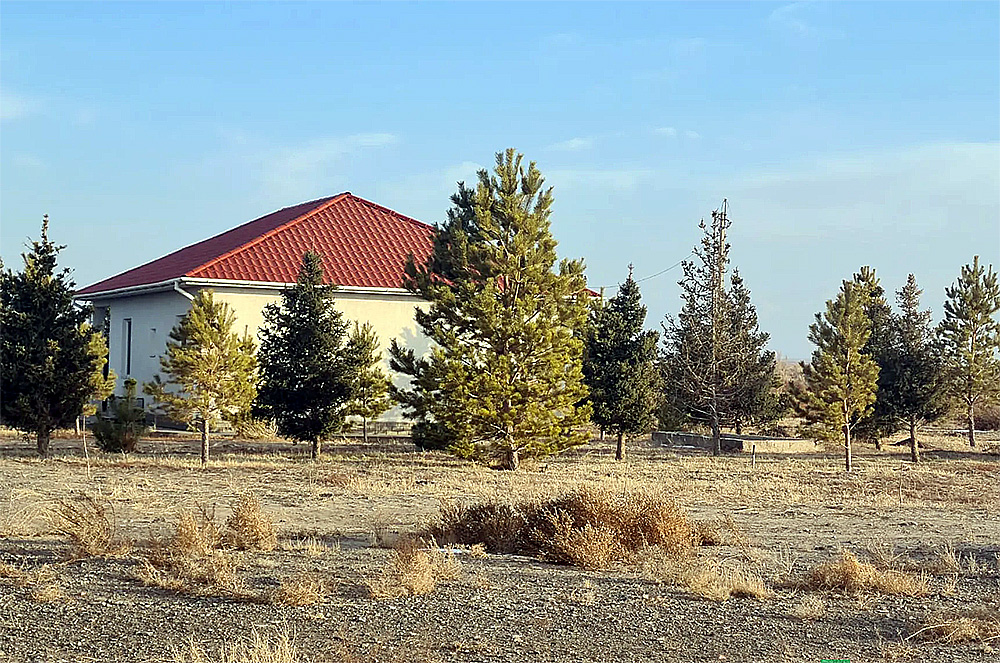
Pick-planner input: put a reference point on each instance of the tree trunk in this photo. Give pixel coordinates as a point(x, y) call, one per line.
point(914, 447)
point(602, 435)
point(364, 429)
point(511, 460)
point(970, 414)
point(716, 436)
point(76, 426)
point(739, 426)
point(317, 449)
point(878, 443)
point(42, 439)
point(204, 441)
point(847, 447)
point(620, 452)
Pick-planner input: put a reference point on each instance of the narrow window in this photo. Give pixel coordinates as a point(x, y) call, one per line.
point(127, 344)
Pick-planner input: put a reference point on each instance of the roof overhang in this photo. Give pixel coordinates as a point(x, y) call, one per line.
point(173, 284)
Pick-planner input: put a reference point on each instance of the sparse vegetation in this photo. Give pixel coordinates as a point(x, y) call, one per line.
point(89, 523)
point(413, 570)
point(975, 624)
point(248, 528)
point(300, 589)
point(848, 574)
point(258, 648)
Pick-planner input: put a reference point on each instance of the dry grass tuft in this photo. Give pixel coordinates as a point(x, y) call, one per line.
point(850, 575)
point(810, 607)
point(89, 523)
point(721, 584)
point(301, 589)
point(258, 649)
point(413, 571)
point(215, 574)
point(980, 624)
point(249, 528)
point(589, 528)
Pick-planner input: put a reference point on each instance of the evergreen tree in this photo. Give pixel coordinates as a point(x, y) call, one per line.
point(48, 352)
point(910, 382)
point(122, 433)
point(881, 422)
point(371, 390)
point(307, 373)
point(970, 339)
point(620, 365)
point(842, 379)
point(504, 376)
point(755, 399)
point(102, 379)
point(210, 370)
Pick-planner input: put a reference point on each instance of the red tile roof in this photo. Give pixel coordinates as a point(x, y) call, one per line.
point(362, 244)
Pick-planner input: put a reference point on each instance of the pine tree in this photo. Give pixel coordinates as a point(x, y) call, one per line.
point(48, 351)
point(970, 339)
point(881, 422)
point(371, 390)
point(504, 377)
point(620, 366)
point(307, 373)
point(755, 399)
point(910, 382)
point(842, 379)
point(210, 370)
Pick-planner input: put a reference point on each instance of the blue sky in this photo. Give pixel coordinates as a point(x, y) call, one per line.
point(843, 134)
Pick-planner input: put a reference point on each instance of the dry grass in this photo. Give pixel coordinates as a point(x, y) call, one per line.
point(589, 528)
point(980, 624)
point(850, 575)
point(300, 589)
point(278, 648)
point(705, 578)
point(89, 523)
point(249, 528)
point(809, 608)
point(41, 582)
point(413, 571)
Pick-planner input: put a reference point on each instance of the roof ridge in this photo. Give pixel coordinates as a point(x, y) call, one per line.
point(260, 238)
point(390, 211)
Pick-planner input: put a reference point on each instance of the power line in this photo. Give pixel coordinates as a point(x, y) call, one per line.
point(653, 276)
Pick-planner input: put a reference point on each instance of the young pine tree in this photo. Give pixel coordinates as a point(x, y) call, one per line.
point(371, 390)
point(755, 398)
point(307, 373)
point(49, 355)
point(842, 379)
point(620, 367)
point(881, 422)
point(504, 377)
point(910, 381)
point(210, 370)
point(969, 337)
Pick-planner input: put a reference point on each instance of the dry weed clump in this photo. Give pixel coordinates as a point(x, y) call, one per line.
point(41, 582)
point(278, 648)
point(979, 624)
point(248, 528)
point(810, 607)
point(89, 523)
point(848, 574)
point(706, 579)
point(413, 571)
point(588, 528)
point(301, 589)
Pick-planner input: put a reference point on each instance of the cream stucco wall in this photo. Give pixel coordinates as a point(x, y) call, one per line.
point(152, 316)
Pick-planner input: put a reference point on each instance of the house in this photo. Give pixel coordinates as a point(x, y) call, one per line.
point(364, 246)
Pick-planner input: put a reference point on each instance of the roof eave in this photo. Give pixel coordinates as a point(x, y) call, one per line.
point(161, 286)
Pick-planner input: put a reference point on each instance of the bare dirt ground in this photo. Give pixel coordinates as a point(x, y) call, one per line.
point(939, 521)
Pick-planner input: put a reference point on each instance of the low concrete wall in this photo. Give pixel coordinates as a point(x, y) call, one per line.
point(735, 443)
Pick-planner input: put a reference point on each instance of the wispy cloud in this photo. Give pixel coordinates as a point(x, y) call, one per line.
point(790, 17)
point(692, 135)
point(669, 132)
point(14, 106)
point(572, 145)
point(27, 161)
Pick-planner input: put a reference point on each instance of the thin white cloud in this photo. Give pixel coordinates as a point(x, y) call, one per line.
point(790, 17)
point(26, 161)
point(692, 135)
point(14, 106)
point(669, 132)
point(572, 145)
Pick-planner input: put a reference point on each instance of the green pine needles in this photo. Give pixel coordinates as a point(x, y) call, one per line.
point(210, 370)
point(503, 378)
point(51, 361)
point(371, 388)
point(307, 372)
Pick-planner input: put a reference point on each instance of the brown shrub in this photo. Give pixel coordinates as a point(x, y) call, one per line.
point(848, 574)
point(588, 528)
point(257, 649)
point(90, 525)
point(413, 571)
point(979, 624)
point(301, 589)
point(215, 574)
point(248, 528)
point(196, 534)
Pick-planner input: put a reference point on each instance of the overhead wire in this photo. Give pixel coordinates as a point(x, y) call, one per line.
point(652, 276)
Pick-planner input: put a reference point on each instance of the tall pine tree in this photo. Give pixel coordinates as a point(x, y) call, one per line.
point(755, 400)
point(910, 381)
point(504, 376)
point(620, 366)
point(881, 422)
point(49, 355)
point(371, 389)
point(307, 372)
point(970, 340)
point(842, 379)
point(210, 371)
